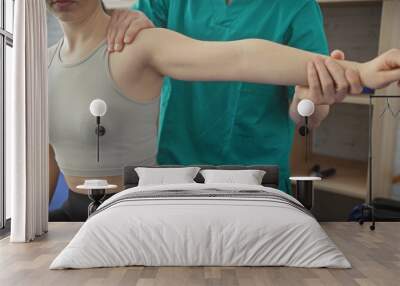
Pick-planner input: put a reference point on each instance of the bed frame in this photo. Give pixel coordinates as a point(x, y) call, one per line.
point(271, 178)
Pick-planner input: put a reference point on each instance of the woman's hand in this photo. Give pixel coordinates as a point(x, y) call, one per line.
point(381, 71)
point(124, 27)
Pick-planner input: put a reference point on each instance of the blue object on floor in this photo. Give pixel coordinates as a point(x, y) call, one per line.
point(357, 213)
point(60, 195)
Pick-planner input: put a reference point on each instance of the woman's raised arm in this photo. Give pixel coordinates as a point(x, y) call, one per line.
point(258, 61)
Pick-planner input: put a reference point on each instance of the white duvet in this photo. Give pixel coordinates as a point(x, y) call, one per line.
point(200, 232)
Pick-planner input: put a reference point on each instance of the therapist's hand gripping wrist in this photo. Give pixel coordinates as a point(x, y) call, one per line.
point(377, 73)
point(124, 26)
point(329, 82)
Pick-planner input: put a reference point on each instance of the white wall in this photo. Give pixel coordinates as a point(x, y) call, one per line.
point(9, 25)
point(8, 90)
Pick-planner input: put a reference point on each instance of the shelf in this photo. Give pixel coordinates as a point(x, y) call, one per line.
point(350, 178)
point(357, 99)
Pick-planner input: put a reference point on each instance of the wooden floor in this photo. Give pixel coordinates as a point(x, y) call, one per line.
point(375, 257)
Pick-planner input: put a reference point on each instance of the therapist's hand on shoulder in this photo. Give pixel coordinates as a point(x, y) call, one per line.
point(328, 82)
point(124, 26)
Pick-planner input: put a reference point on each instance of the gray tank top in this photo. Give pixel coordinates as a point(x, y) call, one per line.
point(131, 127)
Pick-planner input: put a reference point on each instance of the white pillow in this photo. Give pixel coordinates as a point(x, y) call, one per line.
point(248, 177)
point(166, 176)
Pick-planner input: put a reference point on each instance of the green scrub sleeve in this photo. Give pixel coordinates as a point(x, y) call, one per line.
point(306, 32)
point(155, 10)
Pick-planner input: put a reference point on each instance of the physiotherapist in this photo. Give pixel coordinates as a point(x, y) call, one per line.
point(235, 123)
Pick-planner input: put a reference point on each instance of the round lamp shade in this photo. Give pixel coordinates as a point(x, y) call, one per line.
point(98, 107)
point(306, 108)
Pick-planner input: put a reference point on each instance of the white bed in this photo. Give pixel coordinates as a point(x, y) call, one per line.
point(185, 230)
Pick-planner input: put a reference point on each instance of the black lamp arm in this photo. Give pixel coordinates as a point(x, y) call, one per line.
point(100, 131)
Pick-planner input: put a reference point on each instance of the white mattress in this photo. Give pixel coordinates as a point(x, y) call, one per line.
point(200, 232)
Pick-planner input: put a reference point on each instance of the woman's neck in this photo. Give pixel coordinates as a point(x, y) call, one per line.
point(80, 38)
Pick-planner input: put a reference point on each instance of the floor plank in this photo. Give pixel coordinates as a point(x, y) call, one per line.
point(375, 257)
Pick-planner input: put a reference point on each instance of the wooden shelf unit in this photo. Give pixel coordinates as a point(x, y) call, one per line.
point(351, 178)
point(357, 99)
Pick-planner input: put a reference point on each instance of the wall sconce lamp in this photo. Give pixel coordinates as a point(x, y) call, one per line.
point(98, 109)
point(306, 108)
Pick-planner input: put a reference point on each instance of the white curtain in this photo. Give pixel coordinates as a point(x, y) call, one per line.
point(26, 124)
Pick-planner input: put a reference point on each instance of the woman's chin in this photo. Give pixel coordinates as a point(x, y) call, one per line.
point(65, 11)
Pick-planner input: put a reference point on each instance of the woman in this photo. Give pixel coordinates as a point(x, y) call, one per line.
point(80, 70)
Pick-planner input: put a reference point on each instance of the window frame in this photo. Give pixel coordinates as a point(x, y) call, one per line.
point(6, 39)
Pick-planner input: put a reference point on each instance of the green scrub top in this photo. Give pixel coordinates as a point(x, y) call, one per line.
point(231, 123)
